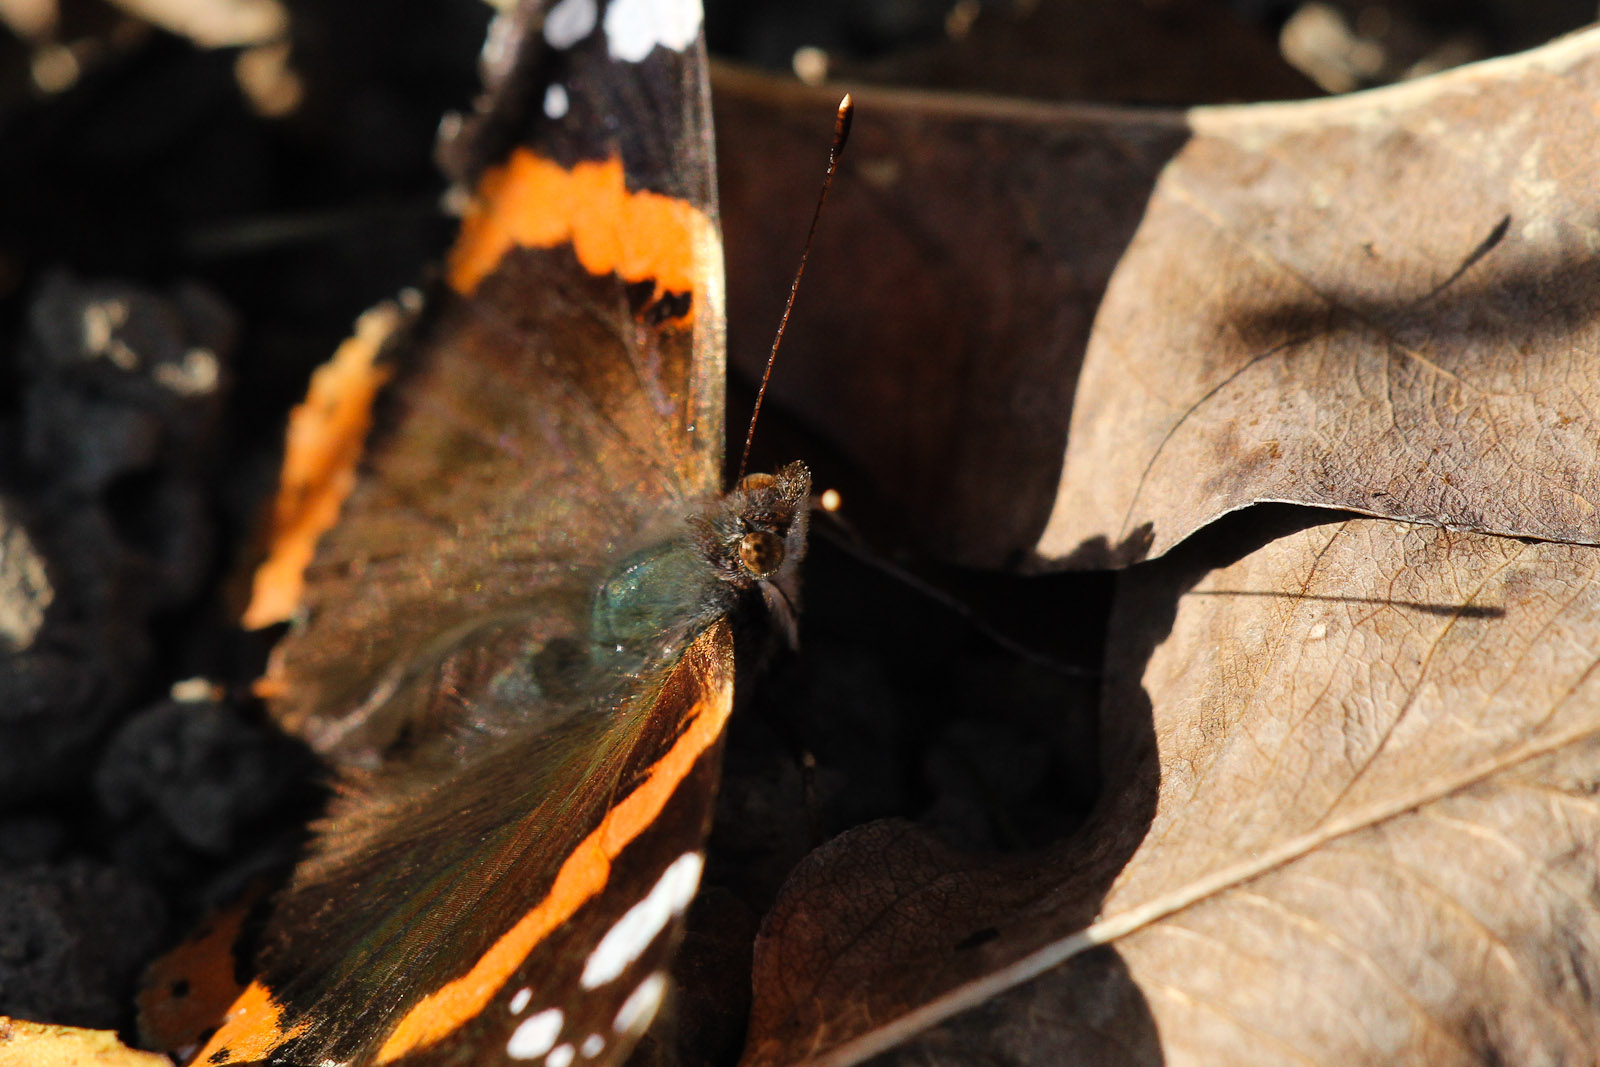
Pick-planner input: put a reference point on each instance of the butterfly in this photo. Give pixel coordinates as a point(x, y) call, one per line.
point(515, 645)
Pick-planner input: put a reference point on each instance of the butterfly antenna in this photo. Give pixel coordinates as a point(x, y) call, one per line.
point(841, 133)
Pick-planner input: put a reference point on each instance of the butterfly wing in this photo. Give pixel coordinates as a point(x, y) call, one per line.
point(566, 391)
point(502, 873)
point(434, 929)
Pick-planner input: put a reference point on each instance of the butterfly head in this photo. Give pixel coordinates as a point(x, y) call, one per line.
point(755, 537)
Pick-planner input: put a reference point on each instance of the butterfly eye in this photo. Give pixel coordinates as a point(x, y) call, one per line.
point(761, 552)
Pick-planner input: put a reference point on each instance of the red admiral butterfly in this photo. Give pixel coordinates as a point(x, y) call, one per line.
point(515, 643)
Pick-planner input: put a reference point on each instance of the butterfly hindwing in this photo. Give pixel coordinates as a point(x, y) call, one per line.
point(528, 729)
point(592, 996)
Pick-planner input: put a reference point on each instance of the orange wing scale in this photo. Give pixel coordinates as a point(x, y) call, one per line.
point(531, 202)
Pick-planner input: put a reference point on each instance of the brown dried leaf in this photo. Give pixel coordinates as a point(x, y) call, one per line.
point(1383, 303)
point(28, 1044)
point(1374, 838)
point(1348, 809)
point(949, 296)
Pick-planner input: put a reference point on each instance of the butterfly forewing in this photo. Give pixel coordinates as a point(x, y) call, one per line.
point(561, 396)
point(518, 828)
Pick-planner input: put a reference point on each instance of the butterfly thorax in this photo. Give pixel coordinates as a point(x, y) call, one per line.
point(751, 539)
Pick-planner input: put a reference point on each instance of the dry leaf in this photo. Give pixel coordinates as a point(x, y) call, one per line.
point(1374, 838)
point(1383, 303)
point(949, 296)
point(28, 1044)
point(1380, 303)
point(1348, 809)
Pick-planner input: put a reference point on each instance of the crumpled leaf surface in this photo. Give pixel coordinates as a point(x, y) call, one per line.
point(1382, 302)
point(28, 1044)
point(1403, 738)
point(1373, 302)
point(1356, 771)
point(1349, 770)
point(938, 335)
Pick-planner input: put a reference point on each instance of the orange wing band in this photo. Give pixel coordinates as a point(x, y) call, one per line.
point(202, 966)
point(532, 202)
point(321, 450)
point(584, 873)
point(252, 1030)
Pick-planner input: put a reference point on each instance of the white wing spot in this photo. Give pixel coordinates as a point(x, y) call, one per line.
point(520, 1000)
point(536, 1036)
point(640, 1007)
point(635, 27)
point(555, 101)
point(569, 22)
point(559, 1056)
point(499, 44)
point(592, 1046)
point(634, 931)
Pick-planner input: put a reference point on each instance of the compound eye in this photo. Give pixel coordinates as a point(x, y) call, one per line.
point(761, 552)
